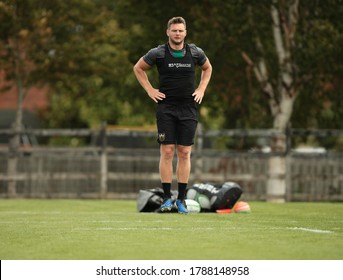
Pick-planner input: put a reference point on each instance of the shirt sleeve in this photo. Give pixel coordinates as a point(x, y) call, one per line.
point(150, 56)
point(198, 54)
point(202, 57)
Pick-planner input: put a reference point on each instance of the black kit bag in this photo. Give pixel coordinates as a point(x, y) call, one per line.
point(227, 196)
point(151, 200)
point(213, 197)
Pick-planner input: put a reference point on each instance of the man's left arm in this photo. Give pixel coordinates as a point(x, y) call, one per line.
point(205, 79)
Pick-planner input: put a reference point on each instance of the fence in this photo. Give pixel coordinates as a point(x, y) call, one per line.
point(104, 171)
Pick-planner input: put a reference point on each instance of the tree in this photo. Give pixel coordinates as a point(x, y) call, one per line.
point(319, 55)
point(282, 93)
point(298, 66)
point(24, 33)
point(74, 48)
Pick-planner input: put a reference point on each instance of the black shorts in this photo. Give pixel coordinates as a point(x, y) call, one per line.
point(176, 124)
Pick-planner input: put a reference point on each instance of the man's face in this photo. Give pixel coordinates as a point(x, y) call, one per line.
point(177, 33)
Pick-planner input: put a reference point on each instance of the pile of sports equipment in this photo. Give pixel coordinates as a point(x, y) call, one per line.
point(201, 197)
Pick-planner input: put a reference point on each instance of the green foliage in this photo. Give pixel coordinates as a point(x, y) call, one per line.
point(94, 76)
point(75, 48)
point(25, 34)
point(319, 57)
point(84, 50)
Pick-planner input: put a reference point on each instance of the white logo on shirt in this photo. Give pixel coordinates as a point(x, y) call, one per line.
point(178, 65)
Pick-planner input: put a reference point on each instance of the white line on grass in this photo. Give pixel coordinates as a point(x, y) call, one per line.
point(136, 228)
point(128, 228)
point(310, 230)
point(152, 228)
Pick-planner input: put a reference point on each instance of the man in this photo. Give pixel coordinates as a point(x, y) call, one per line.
point(176, 99)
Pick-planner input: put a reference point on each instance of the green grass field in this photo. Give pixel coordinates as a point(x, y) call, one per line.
point(113, 229)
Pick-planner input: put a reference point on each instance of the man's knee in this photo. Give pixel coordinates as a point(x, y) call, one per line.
point(167, 151)
point(184, 152)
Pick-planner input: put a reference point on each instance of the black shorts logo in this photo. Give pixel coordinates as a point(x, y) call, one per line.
point(161, 137)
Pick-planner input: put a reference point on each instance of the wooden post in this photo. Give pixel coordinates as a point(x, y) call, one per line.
point(199, 158)
point(12, 163)
point(103, 162)
point(276, 184)
point(288, 164)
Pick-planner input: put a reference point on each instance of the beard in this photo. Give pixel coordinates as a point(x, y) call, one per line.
point(177, 43)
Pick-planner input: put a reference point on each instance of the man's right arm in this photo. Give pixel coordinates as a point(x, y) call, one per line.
point(140, 69)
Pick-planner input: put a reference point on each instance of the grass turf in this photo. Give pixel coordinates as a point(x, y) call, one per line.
point(113, 229)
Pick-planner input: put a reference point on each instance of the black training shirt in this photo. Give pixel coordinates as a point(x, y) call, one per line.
point(176, 74)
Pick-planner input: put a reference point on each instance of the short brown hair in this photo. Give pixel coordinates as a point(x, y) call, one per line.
point(176, 20)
